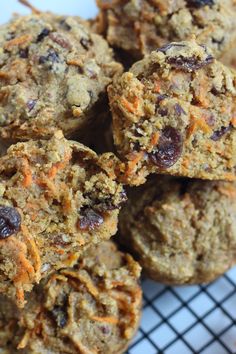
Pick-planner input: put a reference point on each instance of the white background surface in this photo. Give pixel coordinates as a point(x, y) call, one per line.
point(179, 320)
point(83, 8)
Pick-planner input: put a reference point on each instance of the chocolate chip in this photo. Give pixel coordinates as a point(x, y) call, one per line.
point(24, 53)
point(189, 64)
point(200, 3)
point(10, 221)
point(45, 32)
point(219, 133)
point(179, 110)
point(169, 148)
point(59, 315)
point(31, 104)
point(90, 219)
point(85, 43)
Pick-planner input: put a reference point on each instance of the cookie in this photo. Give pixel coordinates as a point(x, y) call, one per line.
point(53, 75)
point(181, 230)
point(93, 308)
point(229, 58)
point(56, 198)
point(174, 112)
point(140, 27)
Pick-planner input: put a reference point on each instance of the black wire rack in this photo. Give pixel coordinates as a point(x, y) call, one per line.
point(190, 319)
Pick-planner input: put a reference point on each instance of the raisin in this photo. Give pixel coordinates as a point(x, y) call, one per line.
point(45, 32)
point(52, 57)
point(60, 40)
point(200, 3)
point(10, 221)
point(169, 148)
point(160, 98)
point(189, 64)
point(219, 133)
point(31, 104)
point(59, 315)
point(24, 53)
point(179, 110)
point(85, 43)
point(90, 219)
point(163, 111)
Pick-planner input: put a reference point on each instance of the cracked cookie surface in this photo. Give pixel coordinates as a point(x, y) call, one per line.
point(56, 198)
point(181, 230)
point(94, 307)
point(53, 75)
point(141, 26)
point(174, 112)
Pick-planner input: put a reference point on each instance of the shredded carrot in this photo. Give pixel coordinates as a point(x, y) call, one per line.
point(84, 280)
point(27, 174)
point(154, 138)
point(4, 75)
point(111, 320)
point(157, 87)
point(229, 177)
point(31, 7)
point(74, 62)
point(132, 107)
point(18, 41)
point(198, 124)
point(233, 121)
point(58, 166)
point(133, 162)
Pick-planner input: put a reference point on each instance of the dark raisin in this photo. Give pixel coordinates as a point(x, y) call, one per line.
point(214, 91)
point(163, 111)
point(189, 64)
point(60, 40)
point(160, 98)
point(85, 43)
point(219, 133)
point(31, 104)
point(24, 53)
point(10, 221)
point(179, 110)
point(59, 315)
point(52, 57)
point(45, 32)
point(90, 219)
point(136, 145)
point(200, 3)
point(169, 148)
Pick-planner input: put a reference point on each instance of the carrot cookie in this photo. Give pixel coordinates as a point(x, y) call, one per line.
point(56, 198)
point(140, 27)
point(181, 230)
point(93, 308)
point(174, 112)
point(53, 74)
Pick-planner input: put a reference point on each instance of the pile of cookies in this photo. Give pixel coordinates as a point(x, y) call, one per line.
point(123, 125)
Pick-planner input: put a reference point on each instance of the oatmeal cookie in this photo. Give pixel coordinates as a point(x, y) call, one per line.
point(56, 198)
point(93, 308)
point(181, 230)
point(141, 26)
point(53, 75)
point(174, 112)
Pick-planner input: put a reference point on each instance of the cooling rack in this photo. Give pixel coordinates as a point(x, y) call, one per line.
point(188, 319)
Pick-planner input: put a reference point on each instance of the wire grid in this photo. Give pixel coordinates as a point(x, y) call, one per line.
point(189, 319)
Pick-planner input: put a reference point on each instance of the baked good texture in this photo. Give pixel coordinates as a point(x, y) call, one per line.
point(181, 230)
point(141, 26)
point(93, 308)
point(53, 75)
point(174, 112)
point(56, 198)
